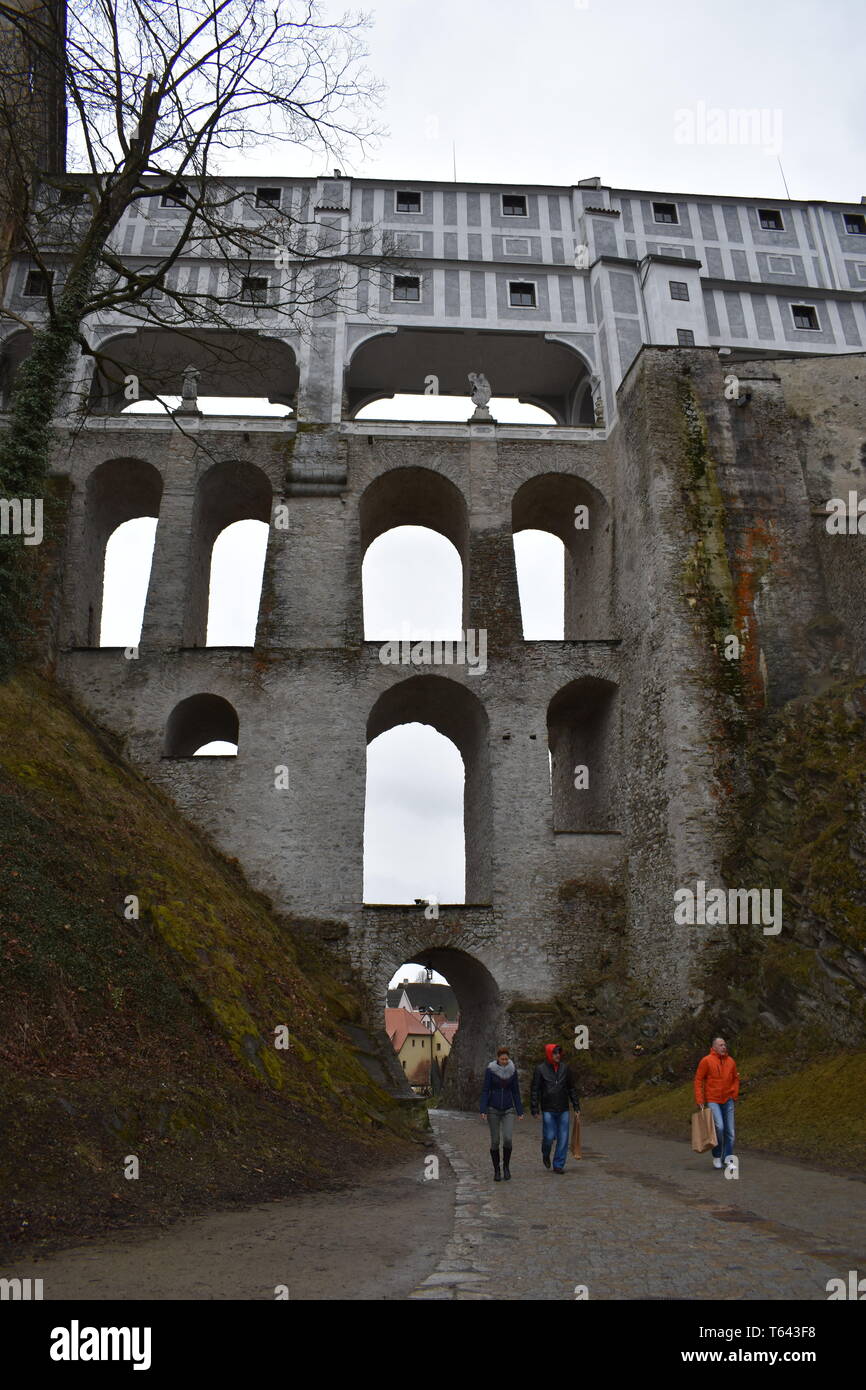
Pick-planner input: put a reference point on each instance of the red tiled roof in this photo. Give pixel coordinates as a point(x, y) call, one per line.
point(401, 1024)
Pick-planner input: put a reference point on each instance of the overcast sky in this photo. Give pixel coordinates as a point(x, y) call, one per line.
point(554, 93)
point(562, 90)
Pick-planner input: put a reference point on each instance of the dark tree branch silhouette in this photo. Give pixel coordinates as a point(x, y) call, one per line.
point(159, 96)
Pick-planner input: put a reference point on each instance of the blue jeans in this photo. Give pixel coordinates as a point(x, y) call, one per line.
point(555, 1126)
point(723, 1119)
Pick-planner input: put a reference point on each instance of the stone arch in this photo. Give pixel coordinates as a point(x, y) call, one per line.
point(547, 502)
point(231, 364)
point(117, 490)
point(528, 367)
point(229, 491)
point(14, 347)
point(457, 713)
point(416, 497)
point(481, 1018)
point(197, 720)
point(582, 730)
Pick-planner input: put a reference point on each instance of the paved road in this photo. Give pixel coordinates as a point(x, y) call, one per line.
point(375, 1241)
point(641, 1217)
point(637, 1218)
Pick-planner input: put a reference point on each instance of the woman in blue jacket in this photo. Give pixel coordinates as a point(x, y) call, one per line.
point(499, 1101)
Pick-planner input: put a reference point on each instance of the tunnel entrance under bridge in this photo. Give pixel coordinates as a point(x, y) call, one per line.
point(481, 1018)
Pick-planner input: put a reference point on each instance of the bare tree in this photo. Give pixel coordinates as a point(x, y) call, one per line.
point(160, 94)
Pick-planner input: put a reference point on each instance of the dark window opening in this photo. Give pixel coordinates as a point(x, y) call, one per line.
point(71, 197)
point(804, 316)
point(254, 289)
point(175, 197)
point(267, 197)
point(407, 287)
point(38, 283)
point(408, 202)
point(679, 289)
point(665, 212)
point(513, 205)
point(685, 337)
point(855, 224)
point(521, 295)
point(770, 220)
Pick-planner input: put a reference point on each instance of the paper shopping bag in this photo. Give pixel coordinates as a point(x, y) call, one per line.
point(703, 1131)
point(575, 1135)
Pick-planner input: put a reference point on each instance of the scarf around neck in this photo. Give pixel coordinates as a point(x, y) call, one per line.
point(503, 1072)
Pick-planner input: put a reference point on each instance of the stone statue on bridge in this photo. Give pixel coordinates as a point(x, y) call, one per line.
point(189, 392)
point(480, 395)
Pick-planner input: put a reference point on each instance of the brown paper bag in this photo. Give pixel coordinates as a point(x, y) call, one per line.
point(703, 1131)
point(575, 1135)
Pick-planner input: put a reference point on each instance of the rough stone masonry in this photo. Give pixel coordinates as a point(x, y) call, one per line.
point(706, 399)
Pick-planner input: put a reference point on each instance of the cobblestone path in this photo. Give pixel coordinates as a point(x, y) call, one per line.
point(640, 1217)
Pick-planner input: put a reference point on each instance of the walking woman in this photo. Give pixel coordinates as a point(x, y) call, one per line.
point(500, 1100)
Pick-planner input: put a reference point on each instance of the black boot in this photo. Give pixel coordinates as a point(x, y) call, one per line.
point(506, 1159)
point(497, 1176)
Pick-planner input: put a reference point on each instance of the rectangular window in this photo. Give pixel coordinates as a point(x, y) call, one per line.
point(521, 294)
point(665, 212)
point(679, 289)
point(407, 202)
point(254, 289)
point(407, 287)
point(176, 197)
point(514, 205)
point(685, 337)
point(771, 220)
point(38, 283)
point(780, 265)
point(805, 316)
point(267, 197)
point(855, 224)
point(438, 1047)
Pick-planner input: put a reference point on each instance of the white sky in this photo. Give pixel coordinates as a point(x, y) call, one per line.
point(554, 93)
point(563, 90)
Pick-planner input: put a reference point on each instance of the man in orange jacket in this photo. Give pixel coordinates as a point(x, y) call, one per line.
point(717, 1084)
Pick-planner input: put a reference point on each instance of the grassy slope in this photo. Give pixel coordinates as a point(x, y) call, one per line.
point(814, 1113)
point(152, 1037)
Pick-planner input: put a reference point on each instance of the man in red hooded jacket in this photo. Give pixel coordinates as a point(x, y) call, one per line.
point(552, 1089)
point(717, 1084)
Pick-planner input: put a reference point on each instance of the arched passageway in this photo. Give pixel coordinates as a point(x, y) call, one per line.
point(117, 491)
point(150, 362)
point(525, 367)
point(481, 1019)
point(570, 508)
point(459, 715)
point(198, 721)
point(584, 747)
point(228, 492)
